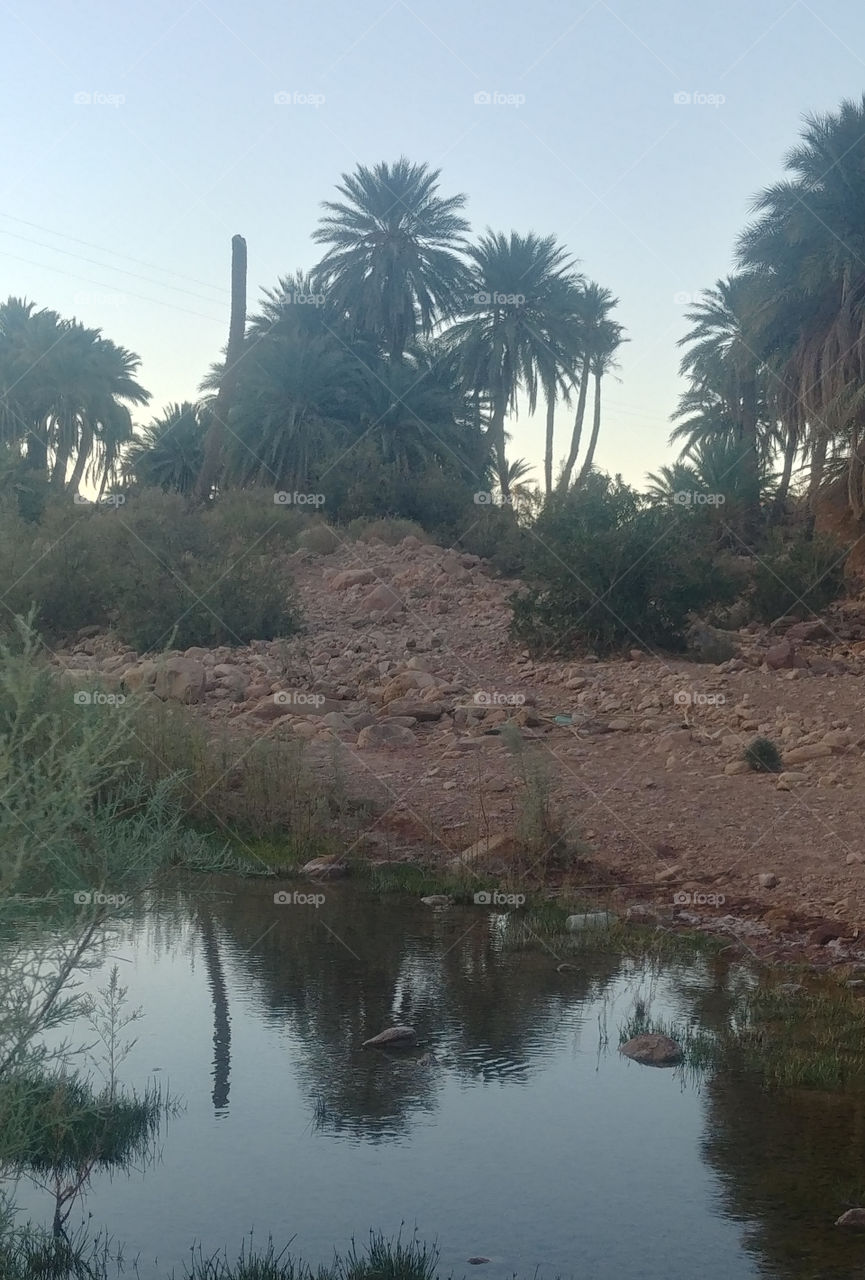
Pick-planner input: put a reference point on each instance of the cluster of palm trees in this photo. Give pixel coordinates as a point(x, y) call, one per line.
point(65, 397)
point(775, 356)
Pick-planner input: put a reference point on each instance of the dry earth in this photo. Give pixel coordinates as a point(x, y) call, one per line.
point(407, 664)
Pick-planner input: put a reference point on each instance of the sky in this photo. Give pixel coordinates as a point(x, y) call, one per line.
point(137, 139)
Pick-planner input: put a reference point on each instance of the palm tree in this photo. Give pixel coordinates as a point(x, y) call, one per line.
point(505, 340)
point(606, 340)
point(809, 240)
point(169, 452)
point(392, 268)
point(558, 362)
point(593, 306)
point(722, 356)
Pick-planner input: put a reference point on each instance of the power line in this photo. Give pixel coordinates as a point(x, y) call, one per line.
point(113, 252)
point(104, 266)
point(102, 285)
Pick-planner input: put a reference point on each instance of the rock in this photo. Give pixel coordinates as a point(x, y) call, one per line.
point(806, 631)
point(652, 1050)
point(338, 722)
point(327, 868)
point(483, 848)
point(437, 900)
point(780, 656)
point(825, 933)
point(838, 739)
point(385, 735)
point(476, 1260)
point(852, 1218)
point(801, 755)
point(414, 707)
point(141, 676)
point(590, 920)
point(853, 858)
point(393, 1037)
point(647, 913)
point(767, 880)
point(267, 711)
point(380, 600)
point(736, 767)
point(619, 725)
point(181, 680)
point(351, 578)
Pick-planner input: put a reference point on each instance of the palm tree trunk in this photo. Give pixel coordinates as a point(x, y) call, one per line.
point(565, 477)
point(497, 440)
point(791, 445)
point(548, 449)
point(214, 444)
point(593, 439)
point(818, 462)
point(85, 444)
point(751, 459)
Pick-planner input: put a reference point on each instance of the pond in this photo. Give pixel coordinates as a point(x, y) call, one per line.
point(514, 1131)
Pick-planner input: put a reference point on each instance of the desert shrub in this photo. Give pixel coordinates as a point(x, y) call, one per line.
point(605, 571)
point(320, 539)
point(763, 756)
point(390, 530)
point(251, 517)
point(155, 569)
point(800, 576)
point(496, 535)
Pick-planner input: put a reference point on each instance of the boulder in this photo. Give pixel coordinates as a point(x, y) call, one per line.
point(351, 578)
point(483, 848)
point(801, 755)
point(385, 735)
point(392, 1038)
point(652, 1050)
point(415, 708)
point(437, 900)
point(781, 656)
point(590, 920)
point(852, 1218)
point(141, 676)
point(181, 679)
point(326, 868)
point(381, 599)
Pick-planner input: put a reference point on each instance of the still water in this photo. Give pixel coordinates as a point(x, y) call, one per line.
point(514, 1131)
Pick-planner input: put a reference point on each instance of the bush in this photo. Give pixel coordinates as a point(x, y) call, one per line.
point(800, 577)
point(608, 572)
point(763, 756)
point(155, 569)
point(389, 530)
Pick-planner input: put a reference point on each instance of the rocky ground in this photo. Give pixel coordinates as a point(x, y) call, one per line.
point(406, 663)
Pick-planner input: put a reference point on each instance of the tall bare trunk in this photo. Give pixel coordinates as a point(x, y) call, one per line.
point(214, 444)
point(818, 462)
point(791, 445)
point(567, 470)
point(85, 444)
point(548, 450)
point(497, 439)
point(751, 459)
point(596, 427)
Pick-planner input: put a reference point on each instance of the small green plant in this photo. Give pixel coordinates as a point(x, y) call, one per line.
point(763, 756)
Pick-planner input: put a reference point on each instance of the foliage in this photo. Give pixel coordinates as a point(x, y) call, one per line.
point(763, 756)
point(606, 571)
point(801, 575)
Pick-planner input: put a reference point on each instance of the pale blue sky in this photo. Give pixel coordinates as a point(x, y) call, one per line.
point(648, 193)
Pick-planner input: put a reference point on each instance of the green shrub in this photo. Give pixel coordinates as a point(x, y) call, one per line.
point(320, 539)
point(607, 572)
point(802, 576)
point(391, 530)
point(763, 756)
